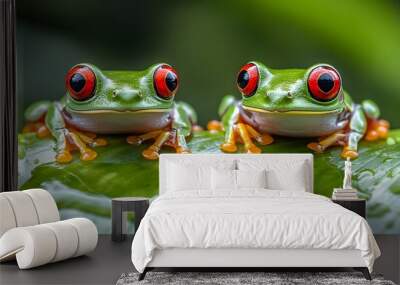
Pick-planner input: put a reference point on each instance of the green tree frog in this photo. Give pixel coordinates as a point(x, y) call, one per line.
point(138, 103)
point(296, 103)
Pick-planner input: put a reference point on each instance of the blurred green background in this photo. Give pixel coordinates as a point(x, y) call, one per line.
point(208, 42)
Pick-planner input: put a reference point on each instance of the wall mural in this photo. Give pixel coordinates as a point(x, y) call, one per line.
point(103, 138)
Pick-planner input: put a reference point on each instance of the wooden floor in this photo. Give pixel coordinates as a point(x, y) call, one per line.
point(110, 260)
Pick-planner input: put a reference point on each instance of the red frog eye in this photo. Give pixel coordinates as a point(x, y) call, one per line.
point(247, 79)
point(324, 83)
point(80, 82)
point(165, 81)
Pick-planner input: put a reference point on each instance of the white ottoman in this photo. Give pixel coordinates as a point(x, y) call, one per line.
point(31, 232)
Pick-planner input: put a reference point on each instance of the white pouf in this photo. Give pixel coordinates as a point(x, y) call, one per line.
point(31, 232)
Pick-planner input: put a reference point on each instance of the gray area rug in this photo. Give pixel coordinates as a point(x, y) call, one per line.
point(233, 278)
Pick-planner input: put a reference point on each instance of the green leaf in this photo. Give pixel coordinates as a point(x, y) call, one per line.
point(85, 188)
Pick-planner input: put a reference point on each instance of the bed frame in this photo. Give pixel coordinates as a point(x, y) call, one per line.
point(237, 259)
point(250, 259)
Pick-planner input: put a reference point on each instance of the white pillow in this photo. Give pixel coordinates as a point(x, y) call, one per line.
point(251, 178)
point(183, 177)
point(230, 180)
point(223, 179)
point(287, 178)
point(281, 174)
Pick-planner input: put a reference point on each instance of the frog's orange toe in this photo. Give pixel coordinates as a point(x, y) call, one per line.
point(214, 126)
point(88, 155)
point(197, 128)
point(349, 153)
point(100, 142)
point(384, 123)
point(90, 135)
point(316, 147)
point(150, 153)
point(265, 139)
point(253, 149)
point(371, 135)
point(377, 130)
point(135, 140)
point(64, 157)
point(42, 132)
point(383, 132)
point(182, 150)
point(228, 147)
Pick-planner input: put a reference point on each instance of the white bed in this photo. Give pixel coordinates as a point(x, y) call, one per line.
point(194, 223)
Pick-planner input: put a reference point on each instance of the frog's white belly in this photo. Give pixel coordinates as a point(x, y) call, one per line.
point(293, 124)
point(116, 122)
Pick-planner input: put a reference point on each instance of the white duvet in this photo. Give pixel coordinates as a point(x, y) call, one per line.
point(250, 219)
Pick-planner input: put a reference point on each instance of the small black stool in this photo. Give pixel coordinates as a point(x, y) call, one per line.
point(120, 206)
point(358, 206)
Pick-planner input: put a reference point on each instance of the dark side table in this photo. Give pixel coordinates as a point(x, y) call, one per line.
point(120, 207)
point(358, 206)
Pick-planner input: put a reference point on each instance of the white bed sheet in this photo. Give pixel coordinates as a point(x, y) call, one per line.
point(252, 218)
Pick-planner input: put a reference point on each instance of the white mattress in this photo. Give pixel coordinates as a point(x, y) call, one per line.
point(253, 219)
